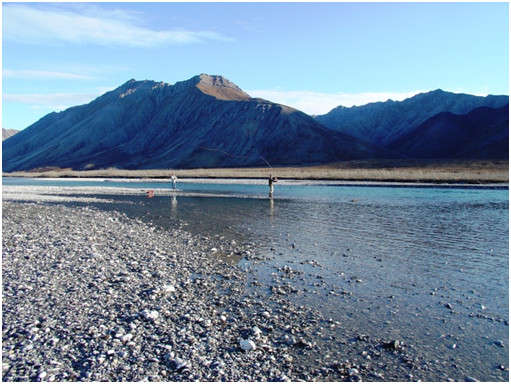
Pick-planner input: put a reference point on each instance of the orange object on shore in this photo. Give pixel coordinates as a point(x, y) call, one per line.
point(150, 193)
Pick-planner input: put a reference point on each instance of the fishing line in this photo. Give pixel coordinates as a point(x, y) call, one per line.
point(231, 155)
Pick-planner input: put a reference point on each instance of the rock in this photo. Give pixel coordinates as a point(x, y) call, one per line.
point(393, 345)
point(289, 340)
point(266, 314)
point(302, 343)
point(470, 379)
point(247, 345)
point(168, 288)
point(150, 315)
point(448, 305)
point(256, 332)
point(206, 323)
point(178, 364)
point(127, 337)
point(500, 343)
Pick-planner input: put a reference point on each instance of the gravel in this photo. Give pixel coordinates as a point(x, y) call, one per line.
point(92, 295)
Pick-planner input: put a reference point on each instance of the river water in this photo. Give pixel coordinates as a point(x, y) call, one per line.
point(425, 265)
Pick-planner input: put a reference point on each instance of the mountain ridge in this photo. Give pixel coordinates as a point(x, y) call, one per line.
point(146, 124)
point(208, 121)
point(6, 133)
point(384, 122)
point(481, 133)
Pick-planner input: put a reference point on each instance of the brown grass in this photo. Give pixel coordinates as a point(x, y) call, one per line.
point(436, 171)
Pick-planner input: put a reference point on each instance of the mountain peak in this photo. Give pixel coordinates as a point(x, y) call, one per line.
point(219, 87)
point(212, 85)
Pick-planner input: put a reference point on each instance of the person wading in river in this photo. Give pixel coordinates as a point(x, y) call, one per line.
point(271, 180)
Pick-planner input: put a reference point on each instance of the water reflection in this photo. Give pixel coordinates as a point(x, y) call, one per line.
point(173, 205)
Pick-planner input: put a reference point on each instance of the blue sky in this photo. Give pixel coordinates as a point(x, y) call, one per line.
point(308, 55)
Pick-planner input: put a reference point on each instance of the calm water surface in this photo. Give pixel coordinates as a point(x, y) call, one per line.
point(402, 256)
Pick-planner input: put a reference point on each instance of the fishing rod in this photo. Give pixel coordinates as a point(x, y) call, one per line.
point(271, 179)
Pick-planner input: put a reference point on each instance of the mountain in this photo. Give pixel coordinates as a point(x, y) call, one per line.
point(205, 121)
point(483, 133)
point(384, 122)
point(6, 133)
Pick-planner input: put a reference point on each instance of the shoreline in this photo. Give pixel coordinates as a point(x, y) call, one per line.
point(237, 179)
point(111, 271)
point(117, 299)
point(80, 193)
point(408, 171)
point(262, 181)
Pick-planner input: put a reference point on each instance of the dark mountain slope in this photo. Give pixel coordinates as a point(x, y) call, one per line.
point(480, 134)
point(384, 122)
point(205, 121)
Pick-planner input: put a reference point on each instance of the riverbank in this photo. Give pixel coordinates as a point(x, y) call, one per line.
point(411, 171)
point(94, 295)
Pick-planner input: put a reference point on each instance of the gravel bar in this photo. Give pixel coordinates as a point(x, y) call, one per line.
point(91, 295)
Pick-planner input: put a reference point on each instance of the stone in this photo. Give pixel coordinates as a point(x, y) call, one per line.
point(247, 345)
point(179, 364)
point(127, 337)
point(256, 332)
point(168, 288)
point(150, 315)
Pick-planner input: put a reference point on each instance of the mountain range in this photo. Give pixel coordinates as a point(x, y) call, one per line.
point(207, 121)
point(481, 133)
point(382, 123)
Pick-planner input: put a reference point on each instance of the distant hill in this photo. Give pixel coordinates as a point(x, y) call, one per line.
point(483, 133)
point(6, 133)
point(385, 122)
point(205, 121)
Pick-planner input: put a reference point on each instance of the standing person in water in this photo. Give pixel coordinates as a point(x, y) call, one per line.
point(174, 180)
point(271, 180)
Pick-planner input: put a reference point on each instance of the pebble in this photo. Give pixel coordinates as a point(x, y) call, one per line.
point(353, 371)
point(256, 332)
point(127, 337)
point(123, 300)
point(150, 315)
point(168, 288)
point(247, 345)
point(179, 364)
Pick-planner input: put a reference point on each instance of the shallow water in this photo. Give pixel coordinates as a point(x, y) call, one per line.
point(428, 266)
